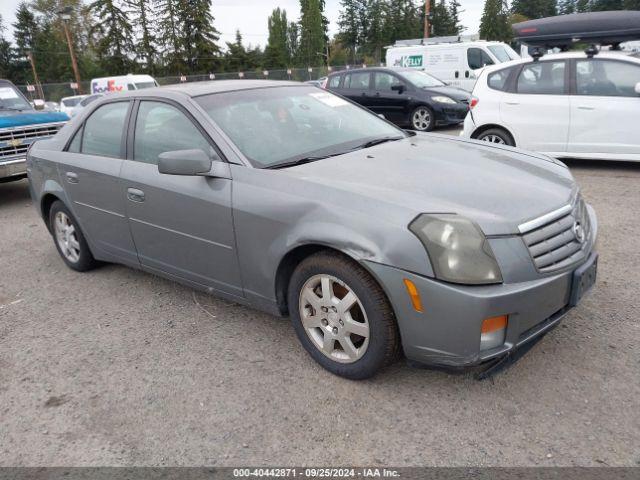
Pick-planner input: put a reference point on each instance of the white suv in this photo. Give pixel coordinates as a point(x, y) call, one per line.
point(567, 105)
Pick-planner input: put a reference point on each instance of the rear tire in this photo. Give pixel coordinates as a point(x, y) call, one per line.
point(69, 240)
point(498, 136)
point(354, 342)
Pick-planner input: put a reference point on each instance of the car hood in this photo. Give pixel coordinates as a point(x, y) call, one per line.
point(18, 119)
point(453, 92)
point(497, 187)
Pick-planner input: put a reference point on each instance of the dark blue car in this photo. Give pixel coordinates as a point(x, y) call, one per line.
point(20, 126)
point(405, 96)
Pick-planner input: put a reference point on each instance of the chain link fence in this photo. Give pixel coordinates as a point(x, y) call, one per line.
point(55, 91)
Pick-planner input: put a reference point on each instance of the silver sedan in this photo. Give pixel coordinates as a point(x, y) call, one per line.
point(295, 201)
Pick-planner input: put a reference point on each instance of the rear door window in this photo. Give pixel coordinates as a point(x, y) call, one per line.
point(103, 130)
point(606, 78)
point(498, 80)
point(542, 78)
point(334, 82)
point(357, 81)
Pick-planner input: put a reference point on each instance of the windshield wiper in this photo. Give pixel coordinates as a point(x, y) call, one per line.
point(12, 109)
point(377, 141)
point(300, 161)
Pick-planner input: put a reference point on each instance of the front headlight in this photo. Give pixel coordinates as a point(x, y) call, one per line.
point(458, 249)
point(443, 99)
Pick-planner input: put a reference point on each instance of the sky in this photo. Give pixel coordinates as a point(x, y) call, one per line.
point(250, 16)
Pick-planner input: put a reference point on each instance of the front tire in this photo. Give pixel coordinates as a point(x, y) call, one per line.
point(497, 136)
point(423, 119)
point(69, 240)
point(342, 317)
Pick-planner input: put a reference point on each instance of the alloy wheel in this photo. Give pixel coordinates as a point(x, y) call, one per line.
point(334, 319)
point(493, 139)
point(66, 237)
point(421, 119)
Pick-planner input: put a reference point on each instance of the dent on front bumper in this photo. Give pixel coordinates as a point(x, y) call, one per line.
point(447, 332)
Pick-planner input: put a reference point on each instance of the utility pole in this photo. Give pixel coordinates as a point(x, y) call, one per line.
point(427, 14)
point(65, 14)
point(35, 75)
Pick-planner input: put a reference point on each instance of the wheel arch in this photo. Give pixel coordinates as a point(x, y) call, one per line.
point(478, 131)
point(46, 202)
point(288, 264)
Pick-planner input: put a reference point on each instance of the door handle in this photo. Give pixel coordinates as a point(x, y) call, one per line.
point(72, 177)
point(583, 107)
point(512, 103)
point(135, 195)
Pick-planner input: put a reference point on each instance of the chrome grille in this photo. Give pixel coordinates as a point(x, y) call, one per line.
point(16, 141)
point(561, 240)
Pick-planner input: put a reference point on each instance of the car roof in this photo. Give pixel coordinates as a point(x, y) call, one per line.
point(195, 89)
point(564, 56)
point(376, 69)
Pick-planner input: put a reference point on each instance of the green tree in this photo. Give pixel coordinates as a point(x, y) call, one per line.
point(236, 59)
point(25, 30)
point(312, 33)
point(583, 6)
point(143, 18)
point(632, 4)
point(534, 8)
point(605, 5)
point(566, 7)
point(494, 24)
point(293, 42)
point(6, 55)
point(114, 46)
point(199, 36)
point(168, 34)
point(276, 53)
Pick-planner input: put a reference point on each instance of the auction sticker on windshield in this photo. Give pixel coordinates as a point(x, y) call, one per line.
point(330, 100)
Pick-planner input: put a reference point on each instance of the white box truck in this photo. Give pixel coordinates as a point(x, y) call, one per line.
point(454, 60)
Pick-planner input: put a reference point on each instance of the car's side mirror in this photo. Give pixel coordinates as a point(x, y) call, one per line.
point(38, 104)
point(398, 88)
point(638, 88)
point(382, 116)
point(184, 162)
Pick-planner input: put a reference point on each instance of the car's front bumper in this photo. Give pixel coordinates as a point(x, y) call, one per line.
point(447, 332)
point(13, 167)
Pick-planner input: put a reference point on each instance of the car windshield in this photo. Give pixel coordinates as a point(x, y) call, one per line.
point(12, 99)
point(273, 126)
point(422, 79)
point(503, 54)
point(141, 85)
point(71, 102)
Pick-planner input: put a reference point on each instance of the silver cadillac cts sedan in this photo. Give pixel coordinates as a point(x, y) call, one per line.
point(295, 201)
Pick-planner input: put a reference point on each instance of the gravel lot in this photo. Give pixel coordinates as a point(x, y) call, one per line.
point(118, 367)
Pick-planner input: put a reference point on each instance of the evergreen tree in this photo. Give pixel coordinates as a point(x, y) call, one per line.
point(454, 14)
point(312, 34)
point(494, 24)
point(168, 34)
point(143, 14)
point(199, 36)
point(605, 5)
point(236, 59)
point(25, 30)
point(583, 6)
point(114, 46)
point(566, 7)
point(534, 8)
point(276, 53)
point(6, 56)
point(632, 4)
point(293, 42)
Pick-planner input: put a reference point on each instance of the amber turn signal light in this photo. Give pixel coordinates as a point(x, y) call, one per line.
point(414, 295)
point(494, 323)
